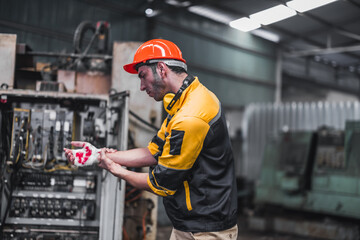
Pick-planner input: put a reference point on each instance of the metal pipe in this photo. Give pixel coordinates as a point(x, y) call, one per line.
point(233, 77)
point(71, 55)
point(322, 51)
point(278, 76)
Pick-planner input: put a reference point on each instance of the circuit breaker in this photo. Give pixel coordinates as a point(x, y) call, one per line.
point(42, 195)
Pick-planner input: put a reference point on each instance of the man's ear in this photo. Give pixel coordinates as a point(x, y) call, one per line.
point(162, 69)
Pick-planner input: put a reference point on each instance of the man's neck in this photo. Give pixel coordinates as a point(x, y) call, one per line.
point(178, 81)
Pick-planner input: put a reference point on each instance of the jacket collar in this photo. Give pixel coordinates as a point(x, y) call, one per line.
point(178, 103)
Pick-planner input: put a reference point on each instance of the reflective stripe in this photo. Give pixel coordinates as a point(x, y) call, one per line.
point(218, 115)
point(157, 189)
point(187, 194)
point(158, 141)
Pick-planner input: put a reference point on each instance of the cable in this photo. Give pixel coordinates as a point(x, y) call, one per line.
point(125, 234)
point(130, 192)
point(134, 198)
point(13, 181)
point(144, 224)
point(143, 121)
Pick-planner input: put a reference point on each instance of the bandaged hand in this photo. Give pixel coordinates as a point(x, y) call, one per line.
point(86, 156)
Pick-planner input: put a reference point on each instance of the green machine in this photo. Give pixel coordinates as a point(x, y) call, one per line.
point(335, 187)
point(285, 171)
point(313, 171)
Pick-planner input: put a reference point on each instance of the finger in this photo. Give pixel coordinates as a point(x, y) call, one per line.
point(110, 150)
point(102, 153)
point(78, 143)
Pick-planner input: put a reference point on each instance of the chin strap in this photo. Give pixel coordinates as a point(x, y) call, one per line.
point(187, 81)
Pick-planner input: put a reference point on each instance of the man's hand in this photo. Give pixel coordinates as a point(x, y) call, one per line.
point(69, 153)
point(87, 155)
point(138, 180)
point(109, 150)
point(107, 163)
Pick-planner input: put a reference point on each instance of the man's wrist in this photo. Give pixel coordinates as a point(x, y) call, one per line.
point(118, 170)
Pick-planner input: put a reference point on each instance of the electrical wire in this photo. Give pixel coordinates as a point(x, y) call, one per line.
point(130, 192)
point(125, 234)
point(143, 121)
point(144, 224)
point(134, 198)
point(13, 181)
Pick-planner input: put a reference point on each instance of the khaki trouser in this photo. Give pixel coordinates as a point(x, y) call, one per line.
point(222, 235)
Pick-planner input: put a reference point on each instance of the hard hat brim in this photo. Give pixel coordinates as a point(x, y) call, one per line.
point(130, 68)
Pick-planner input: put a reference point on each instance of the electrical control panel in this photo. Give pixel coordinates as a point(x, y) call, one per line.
point(19, 136)
point(330, 150)
point(43, 195)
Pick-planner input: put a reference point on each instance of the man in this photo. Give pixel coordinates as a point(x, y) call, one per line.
point(190, 158)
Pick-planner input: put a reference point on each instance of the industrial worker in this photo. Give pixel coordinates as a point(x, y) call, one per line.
point(190, 159)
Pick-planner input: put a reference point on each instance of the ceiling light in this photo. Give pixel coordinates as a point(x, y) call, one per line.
point(306, 5)
point(212, 13)
point(266, 35)
point(244, 24)
point(151, 13)
point(273, 14)
point(177, 3)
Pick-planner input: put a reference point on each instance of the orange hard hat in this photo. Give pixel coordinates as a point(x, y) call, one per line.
point(156, 49)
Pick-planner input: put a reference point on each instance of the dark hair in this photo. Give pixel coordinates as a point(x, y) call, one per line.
point(177, 70)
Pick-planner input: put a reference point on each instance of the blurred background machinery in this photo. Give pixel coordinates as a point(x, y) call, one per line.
point(309, 174)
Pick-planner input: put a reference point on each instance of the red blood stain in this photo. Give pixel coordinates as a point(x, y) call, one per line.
point(88, 151)
point(79, 155)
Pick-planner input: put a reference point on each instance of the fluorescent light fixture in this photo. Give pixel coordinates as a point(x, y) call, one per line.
point(273, 14)
point(306, 5)
point(266, 35)
point(211, 13)
point(177, 3)
point(244, 24)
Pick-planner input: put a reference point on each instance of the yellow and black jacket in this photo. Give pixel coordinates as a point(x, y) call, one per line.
point(195, 170)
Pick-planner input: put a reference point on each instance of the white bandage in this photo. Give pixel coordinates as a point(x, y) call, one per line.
point(86, 156)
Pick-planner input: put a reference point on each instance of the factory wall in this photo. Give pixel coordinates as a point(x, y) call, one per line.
point(238, 67)
point(50, 25)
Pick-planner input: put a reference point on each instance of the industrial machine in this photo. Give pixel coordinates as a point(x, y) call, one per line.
point(79, 96)
point(314, 172)
point(335, 177)
point(285, 170)
point(42, 195)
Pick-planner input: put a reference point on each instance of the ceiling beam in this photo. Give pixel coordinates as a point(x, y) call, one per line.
point(353, 3)
point(213, 38)
point(322, 51)
point(67, 37)
point(327, 24)
point(118, 8)
point(326, 30)
point(312, 83)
